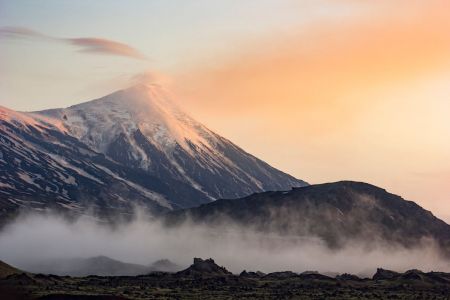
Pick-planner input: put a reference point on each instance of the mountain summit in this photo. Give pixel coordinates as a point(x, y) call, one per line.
point(134, 146)
point(142, 127)
point(145, 108)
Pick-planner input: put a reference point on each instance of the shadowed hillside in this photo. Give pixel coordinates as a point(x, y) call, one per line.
point(6, 270)
point(338, 213)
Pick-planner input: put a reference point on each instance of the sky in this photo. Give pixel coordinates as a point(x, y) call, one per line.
point(325, 90)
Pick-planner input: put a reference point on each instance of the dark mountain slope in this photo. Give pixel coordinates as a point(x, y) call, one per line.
point(6, 270)
point(335, 212)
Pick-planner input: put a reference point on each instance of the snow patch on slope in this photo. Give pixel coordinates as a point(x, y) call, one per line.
point(28, 179)
point(66, 164)
point(36, 121)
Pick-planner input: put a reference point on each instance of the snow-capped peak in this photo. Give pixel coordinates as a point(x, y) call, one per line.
point(148, 108)
point(148, 144)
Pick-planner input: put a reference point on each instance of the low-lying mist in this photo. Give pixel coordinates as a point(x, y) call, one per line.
point(35, 238)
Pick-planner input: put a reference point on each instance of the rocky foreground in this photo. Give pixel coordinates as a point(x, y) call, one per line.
point(204, 279)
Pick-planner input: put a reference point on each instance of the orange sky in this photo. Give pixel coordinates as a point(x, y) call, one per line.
point(364, 98)
point(322, 89)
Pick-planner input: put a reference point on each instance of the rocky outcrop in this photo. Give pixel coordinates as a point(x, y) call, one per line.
point(204, 267)
point(383, 274)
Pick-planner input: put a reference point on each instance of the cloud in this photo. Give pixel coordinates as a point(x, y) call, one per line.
point(98, 45)
point(19, 32)
point(38, 239)
point(84, 44)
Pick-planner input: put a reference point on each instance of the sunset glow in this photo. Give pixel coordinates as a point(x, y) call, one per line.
point(324, 90)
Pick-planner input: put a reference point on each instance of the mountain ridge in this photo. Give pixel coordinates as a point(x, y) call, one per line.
point(337, 213)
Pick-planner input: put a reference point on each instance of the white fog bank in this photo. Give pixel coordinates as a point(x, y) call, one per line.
point(33, 239)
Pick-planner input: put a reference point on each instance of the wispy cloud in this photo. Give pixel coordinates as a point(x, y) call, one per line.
point(98, 45)
point(84, 44)
point(19, 32)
